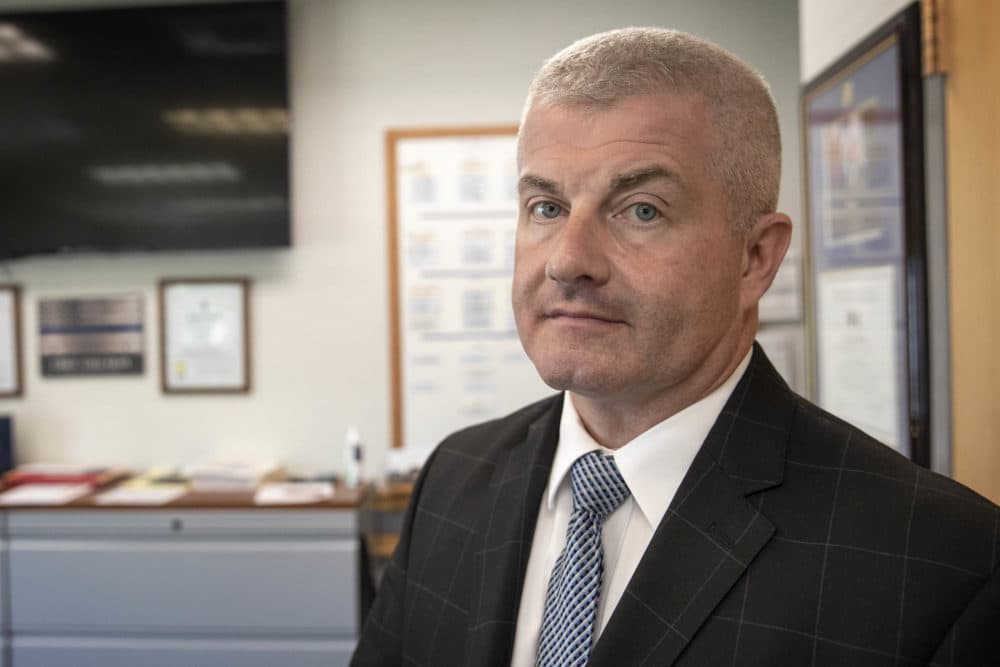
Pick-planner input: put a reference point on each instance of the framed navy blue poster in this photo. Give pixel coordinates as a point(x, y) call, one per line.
point(863, 125)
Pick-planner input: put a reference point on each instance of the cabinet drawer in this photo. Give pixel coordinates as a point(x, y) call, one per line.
point(259, 522)
point(185, 586)
point(101, 652)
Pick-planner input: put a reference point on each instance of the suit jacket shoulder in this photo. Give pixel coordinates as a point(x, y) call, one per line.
point(918, 544)
point(883, 501)
point(451, 593)
point(873, 559)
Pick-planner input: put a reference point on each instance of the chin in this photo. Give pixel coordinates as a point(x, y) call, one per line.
point(583, 381)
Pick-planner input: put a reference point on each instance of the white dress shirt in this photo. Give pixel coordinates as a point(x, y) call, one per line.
point(653, 465)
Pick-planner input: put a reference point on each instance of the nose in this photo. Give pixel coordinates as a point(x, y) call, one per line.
point(578, 253)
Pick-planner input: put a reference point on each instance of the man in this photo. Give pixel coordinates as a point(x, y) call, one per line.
point(735, 523)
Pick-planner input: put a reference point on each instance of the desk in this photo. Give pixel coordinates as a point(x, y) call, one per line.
point(208, 580)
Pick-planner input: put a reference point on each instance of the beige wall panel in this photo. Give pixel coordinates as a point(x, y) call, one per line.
point(973, 120)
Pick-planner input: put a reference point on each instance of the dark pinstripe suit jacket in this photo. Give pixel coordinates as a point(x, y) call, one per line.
point(794, 539)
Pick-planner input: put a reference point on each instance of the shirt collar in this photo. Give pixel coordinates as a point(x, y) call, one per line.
point(654, 462)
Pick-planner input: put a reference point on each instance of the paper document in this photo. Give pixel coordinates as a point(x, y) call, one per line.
point(44, 494)
point(141, 495)
point(293, 493)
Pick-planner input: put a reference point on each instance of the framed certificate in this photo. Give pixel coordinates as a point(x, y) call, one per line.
point(11, 369)
point(204, 335)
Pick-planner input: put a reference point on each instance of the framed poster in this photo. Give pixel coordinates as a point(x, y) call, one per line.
point(204, 335)
point(863, 125)
point(455, 355)
point(11, 367)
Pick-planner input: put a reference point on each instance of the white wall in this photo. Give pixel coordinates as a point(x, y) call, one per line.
point(828, 30)
point(320, 309)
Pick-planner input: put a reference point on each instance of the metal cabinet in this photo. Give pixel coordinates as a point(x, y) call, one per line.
point(200, 588)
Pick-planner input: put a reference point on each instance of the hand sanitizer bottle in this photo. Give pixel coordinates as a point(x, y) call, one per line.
point(353, 458)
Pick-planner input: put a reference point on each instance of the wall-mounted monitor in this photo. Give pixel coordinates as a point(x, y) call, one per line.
point(144, 128)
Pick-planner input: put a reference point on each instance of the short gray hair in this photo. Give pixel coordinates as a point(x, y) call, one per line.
point(598, 71)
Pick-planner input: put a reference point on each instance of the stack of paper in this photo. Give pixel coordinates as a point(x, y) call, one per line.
point(229, 476)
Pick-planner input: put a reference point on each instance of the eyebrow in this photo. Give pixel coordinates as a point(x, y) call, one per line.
point(637, 177)
point(532, 182)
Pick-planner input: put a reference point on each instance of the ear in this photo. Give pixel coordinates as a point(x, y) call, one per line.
point(764, 248)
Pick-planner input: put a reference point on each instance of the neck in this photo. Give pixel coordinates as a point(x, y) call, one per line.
point(616, 420)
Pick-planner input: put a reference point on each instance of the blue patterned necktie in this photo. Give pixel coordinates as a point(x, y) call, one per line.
point(575, 584)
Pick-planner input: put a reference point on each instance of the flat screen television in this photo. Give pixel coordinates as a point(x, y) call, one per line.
point(144, 128)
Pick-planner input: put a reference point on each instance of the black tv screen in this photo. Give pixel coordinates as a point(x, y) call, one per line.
point(144, 128)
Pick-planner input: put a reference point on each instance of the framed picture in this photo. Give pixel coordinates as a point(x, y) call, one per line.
point(11, 367)
point(92, 336)
point(455, 355)
point(866, 255)
point(204, 335)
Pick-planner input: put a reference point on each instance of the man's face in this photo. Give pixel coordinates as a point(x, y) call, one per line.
point(627, 271)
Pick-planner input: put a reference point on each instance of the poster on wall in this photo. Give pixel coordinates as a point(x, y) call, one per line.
point(457, 358)
point(10, 341)
point(92, 336)
point(863, 125)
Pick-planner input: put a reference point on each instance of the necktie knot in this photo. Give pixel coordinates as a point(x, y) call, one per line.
point(598, 486)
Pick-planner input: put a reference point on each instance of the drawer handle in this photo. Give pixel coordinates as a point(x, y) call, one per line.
point(176, 525)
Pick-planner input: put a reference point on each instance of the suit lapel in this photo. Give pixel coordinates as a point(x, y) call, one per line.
point(508, 526)
point(711, 532)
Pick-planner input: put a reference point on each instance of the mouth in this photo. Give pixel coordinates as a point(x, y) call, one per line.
point(581, 316)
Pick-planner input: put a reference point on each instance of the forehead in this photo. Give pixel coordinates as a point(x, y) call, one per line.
point(674, 126)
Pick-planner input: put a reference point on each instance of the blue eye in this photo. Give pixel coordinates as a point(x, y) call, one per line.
point(645, 212)
point(547, 210)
